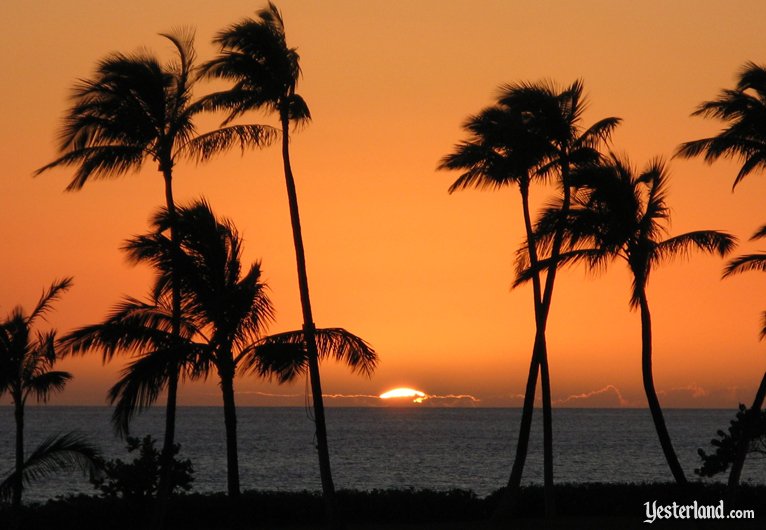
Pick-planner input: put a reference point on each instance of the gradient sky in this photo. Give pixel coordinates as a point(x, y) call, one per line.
point(422, 275)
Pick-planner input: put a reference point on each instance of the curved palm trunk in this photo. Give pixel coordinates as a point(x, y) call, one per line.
point(166, 457)
point(309, 329)
point(739, 458)
point(18, 485)
point(651, 394)
point(230, 421)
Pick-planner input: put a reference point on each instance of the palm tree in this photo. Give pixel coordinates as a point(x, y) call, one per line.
point(255, 57)
point(61, 452)
point(743, 110)
point(136, 108)
point(26, 369)
point(620, 213)
point(224, 317)
point(533, 131)
point(747, 262)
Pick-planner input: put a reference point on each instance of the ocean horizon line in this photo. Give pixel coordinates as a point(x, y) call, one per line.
point(382, 406)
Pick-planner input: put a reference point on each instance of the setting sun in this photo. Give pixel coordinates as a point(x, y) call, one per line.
point(404, 392)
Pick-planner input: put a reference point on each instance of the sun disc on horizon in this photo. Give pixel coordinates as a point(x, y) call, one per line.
point(403, 392)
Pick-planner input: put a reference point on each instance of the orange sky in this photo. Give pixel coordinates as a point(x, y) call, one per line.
point(422, 275)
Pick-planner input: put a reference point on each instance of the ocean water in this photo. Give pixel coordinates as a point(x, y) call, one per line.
point(438, 448)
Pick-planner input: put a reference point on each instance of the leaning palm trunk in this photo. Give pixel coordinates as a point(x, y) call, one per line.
point(651, 394)
point(539, 358)
point(309, 330)
point(744, 443)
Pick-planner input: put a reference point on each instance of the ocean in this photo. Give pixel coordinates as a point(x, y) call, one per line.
point(373, 448)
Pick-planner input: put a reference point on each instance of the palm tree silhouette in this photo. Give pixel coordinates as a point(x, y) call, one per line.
point(136, 108)
point(26, 369)
point(254, 56)
point(743, 110)
point(740, 264)
point(533, 131)
point(225, 312)
point(617, 212)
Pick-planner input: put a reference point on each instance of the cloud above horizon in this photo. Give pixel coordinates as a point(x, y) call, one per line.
point(608, 397)
point(692, 395)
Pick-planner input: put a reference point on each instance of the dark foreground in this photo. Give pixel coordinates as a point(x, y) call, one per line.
point(581, 506)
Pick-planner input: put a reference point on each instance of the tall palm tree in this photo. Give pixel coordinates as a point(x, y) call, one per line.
point(744, 263)
point(618, 212)
point(27, 359)
point(255, 57)
point(136, 108)
point(225, 313)
point(533, 131)
point(502, 151)
point(743, 110)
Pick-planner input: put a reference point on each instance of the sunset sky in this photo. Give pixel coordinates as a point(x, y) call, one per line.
point(422, 275)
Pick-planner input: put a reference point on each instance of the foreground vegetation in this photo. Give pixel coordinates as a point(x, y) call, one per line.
point(579, 506)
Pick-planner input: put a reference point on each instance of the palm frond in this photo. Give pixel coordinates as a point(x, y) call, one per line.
point(62, 452)
point(153, 248)
point(205, 146)
point(133, 326)
point(43, 384)
point(183, 41)
point(595, 259)
point(753, 162)
point(99, 162)
point(745, 263)
point(694, 148)
point(347, 348)
point(49, 296)
point(598, 133)
point(298, 110)
point(273, 358)
point(708, 241)
point(336, 343)
point(760, 233)
point(140, 384)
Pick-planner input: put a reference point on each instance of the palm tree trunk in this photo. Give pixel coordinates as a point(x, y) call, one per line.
point(550, 279)
point(549, 493)
point(651, 394)
point(744, 443)
point(18, 483)
point(506, 507)
point(230, 420)
point(309, 330)
point(165, 487)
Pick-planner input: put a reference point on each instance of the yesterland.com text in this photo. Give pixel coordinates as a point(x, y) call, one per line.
point(656, 511)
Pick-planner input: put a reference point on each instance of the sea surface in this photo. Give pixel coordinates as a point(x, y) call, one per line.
point(371, 448)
